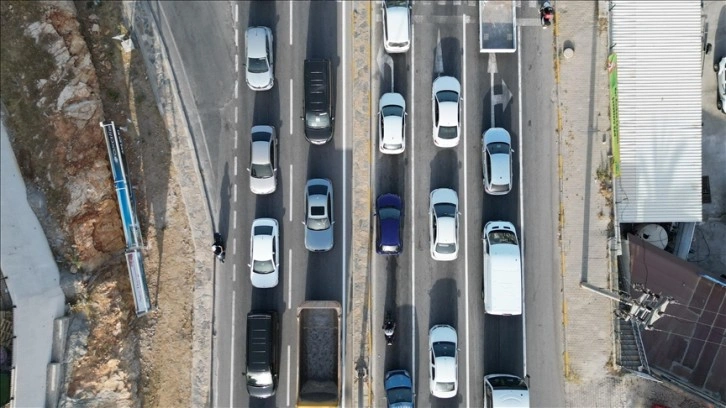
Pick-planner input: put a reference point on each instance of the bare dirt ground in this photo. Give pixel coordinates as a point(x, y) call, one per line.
point(128, 361)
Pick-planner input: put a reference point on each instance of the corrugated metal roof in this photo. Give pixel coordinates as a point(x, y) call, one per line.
point(658, 46)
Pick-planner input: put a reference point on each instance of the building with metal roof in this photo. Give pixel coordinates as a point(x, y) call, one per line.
point(655, 79)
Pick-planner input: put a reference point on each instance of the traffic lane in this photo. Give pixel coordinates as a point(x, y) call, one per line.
point(206, 73)
point(543, 295)
point(438, 285)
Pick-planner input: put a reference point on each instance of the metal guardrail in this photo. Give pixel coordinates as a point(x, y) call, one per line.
point(129, 217)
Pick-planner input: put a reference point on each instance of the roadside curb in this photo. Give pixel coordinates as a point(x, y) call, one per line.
point(145, 32)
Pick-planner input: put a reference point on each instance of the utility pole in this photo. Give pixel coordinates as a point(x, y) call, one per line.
point(645, 310)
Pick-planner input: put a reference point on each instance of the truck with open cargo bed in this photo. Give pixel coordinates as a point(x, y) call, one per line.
point(318, 365)
point(497, 26)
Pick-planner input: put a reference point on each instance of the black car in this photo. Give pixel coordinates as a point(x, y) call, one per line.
point(262, 354)
point(318, 105)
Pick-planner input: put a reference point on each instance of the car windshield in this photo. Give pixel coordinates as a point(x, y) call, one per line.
point(498, 148)
point(445, 210)
point(259, 379)
point(447, 132)
point(398, 395)
point(263, 266)
point(396, 3)
point(502, 237)
point(445, 386)
point(509, 383)
point(257, 65)
point(389, 213)
point(260, 137)
point(317, 120)
point(261, 170)
point(447, 96)
point(392, 110)
point(444, 349)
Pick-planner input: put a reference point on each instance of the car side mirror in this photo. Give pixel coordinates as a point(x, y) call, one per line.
point(303, 222)
point(332, 222)
point(249, 265)
point(248, 169)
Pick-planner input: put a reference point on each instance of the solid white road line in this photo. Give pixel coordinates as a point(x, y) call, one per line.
point(521, 198)
point(289, 208)
point(291, 123)
point(288, 368)
point(231, 356)
point(411, 211)
point(289, 278)
point(291, 20)
point(344, 256)
point(466, 229)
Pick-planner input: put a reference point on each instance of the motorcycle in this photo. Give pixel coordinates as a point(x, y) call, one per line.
point(546, 14)
point(389, 328)
point(218, 247)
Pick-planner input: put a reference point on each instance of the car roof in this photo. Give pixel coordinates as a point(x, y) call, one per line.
point(449, 114)
point(397, 24)
point(260, 152)
point(446, 227)
point(445, 369)
point(262, 248)
point(501, 172)
point(393, 129)
point(317, 92)
point(256, 39)
point(389, 232)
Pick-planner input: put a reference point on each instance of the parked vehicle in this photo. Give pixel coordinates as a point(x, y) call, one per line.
point(496, 156)
point(318, 102)
point(399, 389)
point(263, 160)
point(318, 354)
point(396, 25)
point(389, 215)
point(720, 69)
point(502, 280)
point(262, 354)
point(319, 234)
point(259, 59)
point(443, 361)
point(446, 111)
point(392, 123)
point(505, 391)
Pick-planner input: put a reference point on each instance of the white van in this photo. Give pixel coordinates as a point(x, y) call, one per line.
point(502, 283)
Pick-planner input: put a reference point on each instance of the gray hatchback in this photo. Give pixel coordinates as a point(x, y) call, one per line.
point(319, 215)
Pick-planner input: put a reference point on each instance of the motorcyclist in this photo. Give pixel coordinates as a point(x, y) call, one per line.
point(547, 13)
point(218, 248)
point(389, 328)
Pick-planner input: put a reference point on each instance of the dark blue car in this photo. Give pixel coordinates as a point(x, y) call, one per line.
point(399, 389)
point(389, 211)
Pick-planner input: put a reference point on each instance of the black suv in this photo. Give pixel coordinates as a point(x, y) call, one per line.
point(262, 354)
point(318, 105)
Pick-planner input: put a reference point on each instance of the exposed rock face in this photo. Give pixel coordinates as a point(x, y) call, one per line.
point(82, 172)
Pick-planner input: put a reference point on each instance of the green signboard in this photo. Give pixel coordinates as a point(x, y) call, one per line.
point(614, 119)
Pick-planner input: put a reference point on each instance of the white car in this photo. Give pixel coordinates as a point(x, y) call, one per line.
point(444, 224)
point(720, 69)
point(260, 73)
point(443, 344)
point(496, 156)
point(264, 250)
point(446, 111)
point(392, 123)
point(263, 160)
point(396, 25)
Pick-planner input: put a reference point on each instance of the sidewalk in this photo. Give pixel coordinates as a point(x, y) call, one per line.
point(32, 280)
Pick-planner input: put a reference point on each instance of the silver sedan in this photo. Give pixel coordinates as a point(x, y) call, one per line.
point(319, 215)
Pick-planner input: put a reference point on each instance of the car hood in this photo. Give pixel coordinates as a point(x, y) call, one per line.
point(446, 83)
point(319, 240)
point(398, 25)
point(444, 195)
point(264, 280)
point(263, 185)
